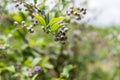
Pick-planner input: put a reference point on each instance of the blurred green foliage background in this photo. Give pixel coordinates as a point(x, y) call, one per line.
point(91, 53)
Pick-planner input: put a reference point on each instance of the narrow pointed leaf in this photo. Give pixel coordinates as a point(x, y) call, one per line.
point(35, 76)
point(56, 20)
point(55, 27)
point(40, 19)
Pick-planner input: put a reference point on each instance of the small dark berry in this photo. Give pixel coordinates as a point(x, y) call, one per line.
point(32, 16)
point(84, 12)
point(15, 23)
point(47, 31)
point(19, 9)
point(76, 13)
point(17, 4)
point(31, 30)
point(28, 28)
point(63, 42)
point(82, 9)
point(72, 7)
point(36, 22)
point(78, 8)
point(78, 18)
point(62, 37)
point(24, 25)
point(63, 28)
point(43, 29)
point(68, 13)
point(56, 38)
point(66, 29)
point(23, 22)
point(26, 9)
point(64, 33)
point(71, 11)
point(39, 10)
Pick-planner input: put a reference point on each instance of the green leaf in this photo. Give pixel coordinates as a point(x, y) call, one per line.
point(48, 65)
point(10, 68)
point(35, 1)
point(40, 19)
point(56, 20)
point(66, 70)
point(45, 63)
point(36, 61)
point(28, 62)
point(17, 18)
point(23, 15)
point(34, 77)
point(44, 0)
point(55, 27)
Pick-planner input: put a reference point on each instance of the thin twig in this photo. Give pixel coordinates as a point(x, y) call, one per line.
point(27, 42)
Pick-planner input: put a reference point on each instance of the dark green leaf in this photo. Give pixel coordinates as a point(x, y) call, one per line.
point(35, 1)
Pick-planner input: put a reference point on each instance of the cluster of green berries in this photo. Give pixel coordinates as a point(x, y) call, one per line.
point(30, 28)
point(61, 35)
point(37, 70)
point(30, 8)
point(76, 12)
